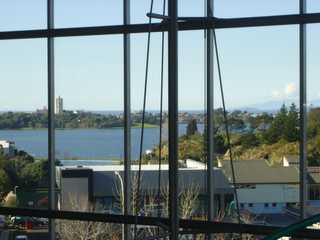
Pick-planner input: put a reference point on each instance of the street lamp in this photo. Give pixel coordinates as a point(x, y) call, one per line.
point(121, 199)
point(122, 190)
point(15, 189)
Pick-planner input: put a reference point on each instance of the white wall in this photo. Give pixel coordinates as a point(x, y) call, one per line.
point(5, 145)
point(260, 208)
point(269, 193)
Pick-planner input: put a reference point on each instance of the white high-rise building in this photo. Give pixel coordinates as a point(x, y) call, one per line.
point(59, 105)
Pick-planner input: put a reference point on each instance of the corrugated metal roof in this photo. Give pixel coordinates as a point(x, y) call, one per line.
point(106, 182)
point(260, 172)
point(314, 175)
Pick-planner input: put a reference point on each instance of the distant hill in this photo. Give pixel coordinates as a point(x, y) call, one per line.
point(274, 106)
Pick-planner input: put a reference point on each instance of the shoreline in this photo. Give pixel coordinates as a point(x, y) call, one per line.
point(41, 129)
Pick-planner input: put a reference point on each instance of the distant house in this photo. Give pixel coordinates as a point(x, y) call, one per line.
point(263, 127)
point(314, 185)
point(290, 160)
point(261, 188)
point(7, 148)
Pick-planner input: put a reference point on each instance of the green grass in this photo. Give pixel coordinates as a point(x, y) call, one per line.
point(146, 125)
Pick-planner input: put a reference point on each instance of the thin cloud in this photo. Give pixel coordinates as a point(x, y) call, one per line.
point(288, 91)
point(276, 94)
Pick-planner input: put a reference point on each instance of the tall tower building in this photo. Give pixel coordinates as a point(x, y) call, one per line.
point(59, 105)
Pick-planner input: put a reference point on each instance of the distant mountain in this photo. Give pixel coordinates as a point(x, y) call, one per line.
point(275, 105)
point(315, 103)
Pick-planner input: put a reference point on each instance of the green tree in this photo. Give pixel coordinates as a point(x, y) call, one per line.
point(192, 127)
point(290, 130)
point(276, 131)
point(314, 122)
point(191, 147)
point(5, 184)
point(249, 140)
point(255, 121)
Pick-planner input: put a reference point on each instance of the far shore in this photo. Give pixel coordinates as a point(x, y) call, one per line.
point(32, 129)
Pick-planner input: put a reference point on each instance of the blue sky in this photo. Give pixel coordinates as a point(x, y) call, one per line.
point(258, 64)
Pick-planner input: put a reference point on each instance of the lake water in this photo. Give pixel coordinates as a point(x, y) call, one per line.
point(84, 143)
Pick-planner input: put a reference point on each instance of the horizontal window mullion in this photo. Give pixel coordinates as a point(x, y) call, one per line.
point(190, 226)
point(187, 24)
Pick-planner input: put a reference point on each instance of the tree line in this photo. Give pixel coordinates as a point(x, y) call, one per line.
point(22, 171)
point(70, 119)
point(253, 136)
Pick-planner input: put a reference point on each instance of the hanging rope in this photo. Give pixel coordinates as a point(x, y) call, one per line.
point(161, 115)
point(138, 189)
point(160, 121)
point(225, 116)
point(137, 200)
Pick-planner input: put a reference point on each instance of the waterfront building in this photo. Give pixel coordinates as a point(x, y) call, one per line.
point(7, 148)
point(59, 105)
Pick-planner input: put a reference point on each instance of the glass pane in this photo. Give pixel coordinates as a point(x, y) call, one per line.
point(313, 124)
point(191, 8)
point(192, 189)
point(140, 8)
point(249, 8)
point(313, 6)
point(260, 75)
point(23, 15)
point(19, 227)
point(67, 229)
point(149, 191)
point(89, 123)
point(23, 123)
point(83, 13)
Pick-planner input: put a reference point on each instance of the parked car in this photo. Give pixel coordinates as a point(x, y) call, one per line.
point(22, 221)
point(2, 221)
point(22, 237)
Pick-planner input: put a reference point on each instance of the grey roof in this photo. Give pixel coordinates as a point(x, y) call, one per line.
point(314, 175)
point(292, 158)
point(106, 182)
point(260, 172)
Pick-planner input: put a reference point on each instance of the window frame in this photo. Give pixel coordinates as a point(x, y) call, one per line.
point(172, 26)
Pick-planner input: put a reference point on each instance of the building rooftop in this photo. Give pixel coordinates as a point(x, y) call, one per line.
point(106, 178)
point(314, 175)
point(186, 165)
point(260, 171)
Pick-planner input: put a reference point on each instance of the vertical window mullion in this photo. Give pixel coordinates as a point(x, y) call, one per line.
point(127, 118)
point(173, 118)
point(51, 128)
point(209, 103)
point(303, 112)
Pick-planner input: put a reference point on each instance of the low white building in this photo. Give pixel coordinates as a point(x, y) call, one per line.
point(7, 148)
point(290, 160)
point(262, 188)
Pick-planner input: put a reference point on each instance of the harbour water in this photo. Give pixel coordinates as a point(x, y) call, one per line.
point(103, 144)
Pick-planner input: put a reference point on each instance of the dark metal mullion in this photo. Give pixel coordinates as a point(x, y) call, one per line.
point(162, 27)
point(209, 102)
point(303, 112)
point(173, 118)
point(51, 127)
point(188, 225)
point(127, 119)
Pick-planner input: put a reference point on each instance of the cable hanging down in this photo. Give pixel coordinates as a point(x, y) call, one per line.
point(225, 116)
point(161, 117)
point(138, 189)
point(137, 194)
